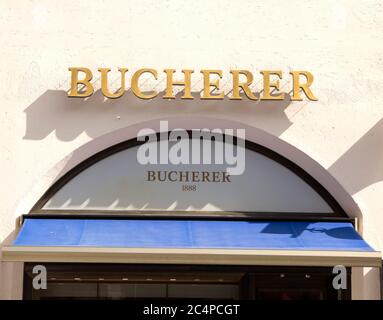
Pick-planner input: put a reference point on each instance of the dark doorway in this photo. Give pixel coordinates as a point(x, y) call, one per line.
point(126, 282)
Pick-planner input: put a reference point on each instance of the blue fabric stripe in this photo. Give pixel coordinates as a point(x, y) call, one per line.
point(191, 234)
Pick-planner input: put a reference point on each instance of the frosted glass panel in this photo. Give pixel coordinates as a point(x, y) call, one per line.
point(119, 182)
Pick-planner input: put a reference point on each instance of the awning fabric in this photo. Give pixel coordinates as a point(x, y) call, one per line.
point(191, 241)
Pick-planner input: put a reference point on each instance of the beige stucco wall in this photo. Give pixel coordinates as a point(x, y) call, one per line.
point(339, 42)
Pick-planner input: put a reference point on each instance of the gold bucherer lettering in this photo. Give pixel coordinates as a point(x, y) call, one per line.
point(188, 176)
point(82, 87)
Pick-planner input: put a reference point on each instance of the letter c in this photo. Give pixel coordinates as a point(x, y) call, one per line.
point(171, 173)
point(134, 85)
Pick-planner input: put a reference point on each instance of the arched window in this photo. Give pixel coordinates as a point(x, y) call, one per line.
point(113, 181)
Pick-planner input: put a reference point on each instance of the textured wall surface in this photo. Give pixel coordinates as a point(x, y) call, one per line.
point(340, 42)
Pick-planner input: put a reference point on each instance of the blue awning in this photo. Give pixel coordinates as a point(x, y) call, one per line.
point(265, 237)
point(191, 234)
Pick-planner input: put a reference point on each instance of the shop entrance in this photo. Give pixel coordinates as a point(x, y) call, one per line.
point(132, 282)
point(105, 230)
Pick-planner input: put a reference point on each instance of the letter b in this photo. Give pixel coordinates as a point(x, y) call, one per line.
point(151, 176)
point(74, 92)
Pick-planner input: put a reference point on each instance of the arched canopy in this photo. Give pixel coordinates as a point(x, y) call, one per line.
point(113, 181)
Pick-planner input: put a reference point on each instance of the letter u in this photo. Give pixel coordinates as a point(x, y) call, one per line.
point(163, 174)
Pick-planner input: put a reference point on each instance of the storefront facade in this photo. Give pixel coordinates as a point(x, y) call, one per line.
point(106, 227)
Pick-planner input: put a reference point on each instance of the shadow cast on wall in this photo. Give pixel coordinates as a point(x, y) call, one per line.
point(68, 117)
point(365, 157)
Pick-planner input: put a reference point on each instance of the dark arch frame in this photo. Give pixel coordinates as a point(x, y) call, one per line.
point(38, 211)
